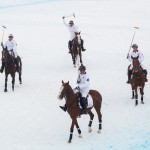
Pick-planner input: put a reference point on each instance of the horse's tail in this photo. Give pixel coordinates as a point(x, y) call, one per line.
point(19, 63)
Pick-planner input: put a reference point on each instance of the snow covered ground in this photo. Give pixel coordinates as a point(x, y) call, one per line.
point(30, 117)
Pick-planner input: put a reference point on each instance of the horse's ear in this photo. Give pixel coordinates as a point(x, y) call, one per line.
point(79, 32)
point(68, 82)
point(62, 82)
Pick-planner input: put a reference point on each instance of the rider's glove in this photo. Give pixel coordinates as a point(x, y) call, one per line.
point(78, 88)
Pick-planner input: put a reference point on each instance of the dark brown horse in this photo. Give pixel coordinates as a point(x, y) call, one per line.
point(10, 67)
point(76, 50)
point(74, 110)
point(137, 80)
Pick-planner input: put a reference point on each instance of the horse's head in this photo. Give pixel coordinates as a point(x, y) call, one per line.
point(63, 90)
point(136, 63)
point(77, 39)
point(8, 56)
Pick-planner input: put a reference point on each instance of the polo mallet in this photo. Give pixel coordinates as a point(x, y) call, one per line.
point(3, 33)
point(70, 15)
point(132, 40)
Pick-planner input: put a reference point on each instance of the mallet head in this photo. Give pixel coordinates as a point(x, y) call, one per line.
point(4, 27)
point(136, 27)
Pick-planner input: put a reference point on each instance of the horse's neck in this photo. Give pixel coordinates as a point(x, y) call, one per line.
point(70, 97)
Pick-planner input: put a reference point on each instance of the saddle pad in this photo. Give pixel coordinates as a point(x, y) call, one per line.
point(90, 101)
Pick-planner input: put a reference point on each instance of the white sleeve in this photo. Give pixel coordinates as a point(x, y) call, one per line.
point(129, 58)
point(141, 57)
point(65, 23)
point(15, 47)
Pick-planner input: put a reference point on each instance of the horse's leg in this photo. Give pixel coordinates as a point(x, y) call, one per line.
point(20, 69)
point(78, 128)
point(71, 130)
point(91, 120)
point(80, 54)
point(99, 118)
point(20, 79)
point(132, 91)
point(13, 82)
point(136, 97)
point(6, 79)
point(73, 59)
point(142, 93)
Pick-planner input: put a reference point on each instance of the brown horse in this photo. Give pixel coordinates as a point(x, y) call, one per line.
point(74, 110)
point(137, 80)
point(76, 50)
point(10, 67)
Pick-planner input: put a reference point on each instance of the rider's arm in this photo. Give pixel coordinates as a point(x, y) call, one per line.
point(64, 21)
point(129, 58)
point(141, 57)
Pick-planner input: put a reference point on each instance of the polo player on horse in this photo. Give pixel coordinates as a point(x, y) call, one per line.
point(72, 30)
point(82, 89)
point(136, 53)
point(11, 46)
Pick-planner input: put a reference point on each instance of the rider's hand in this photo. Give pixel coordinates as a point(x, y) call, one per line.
point(78, 88)
point(78, 81)
point(1, 43)
point(63, 17)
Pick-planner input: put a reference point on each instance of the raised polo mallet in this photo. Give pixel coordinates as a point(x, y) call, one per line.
point(70, 15)
point(3, 33)
point(132, 40)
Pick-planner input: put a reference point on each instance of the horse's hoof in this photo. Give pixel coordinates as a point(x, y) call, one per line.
point(142, 102)
point(90, 129)
point(99, 131)
point(5, 90)
point(69, 141)
point(80, 136)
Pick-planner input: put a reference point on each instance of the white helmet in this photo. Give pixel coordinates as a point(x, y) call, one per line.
point(134, 45)
point(10, 35)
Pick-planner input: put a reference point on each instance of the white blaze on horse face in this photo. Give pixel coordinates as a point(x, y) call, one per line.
point(61, 89)
point(79, 38)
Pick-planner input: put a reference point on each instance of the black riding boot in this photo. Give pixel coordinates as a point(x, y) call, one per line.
point(69, 46)
point(17, 66)
point(64, 108)
point(145, 72)
point(82, 48)
point(129, 76)
point(84, 105)
point(2, 67)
